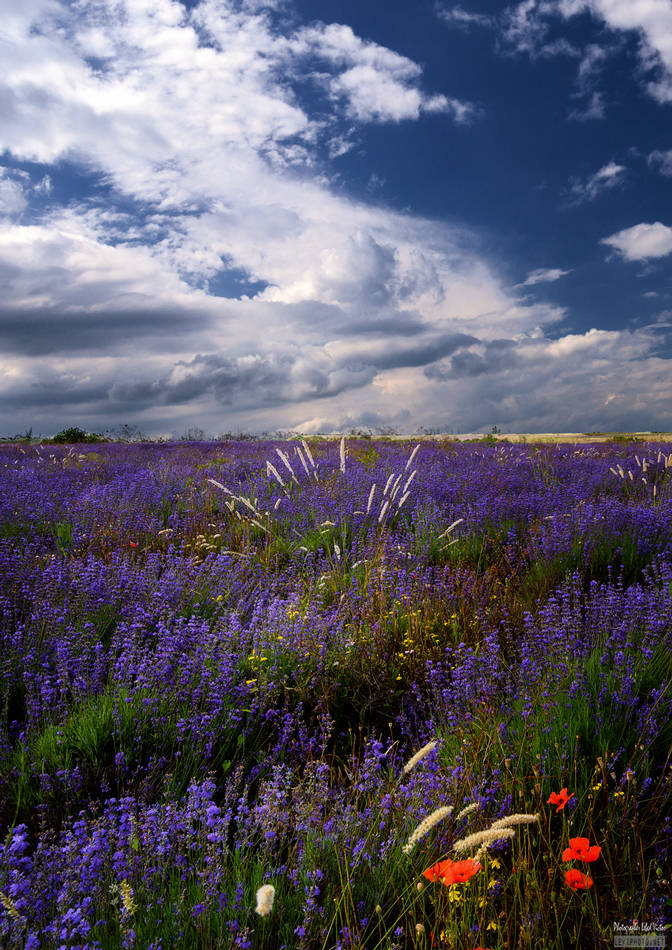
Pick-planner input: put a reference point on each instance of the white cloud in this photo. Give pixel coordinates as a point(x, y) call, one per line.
point(593, 108)
point(642, 241)
point(652, 20)
point(376, 84)
point(462, 19)
point(544, 275)
point(607, 177)
point(661, 161)
point(527, 25)
point(12, 197)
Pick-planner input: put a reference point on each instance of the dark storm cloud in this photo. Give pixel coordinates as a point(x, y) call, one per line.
point(255, 380)
point(497, 356)
point(266, 379)
point(53, 394)
point(424, 353)
point(49, 331)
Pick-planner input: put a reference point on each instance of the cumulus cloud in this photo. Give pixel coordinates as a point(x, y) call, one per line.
point(642, 242)
point(376, 84)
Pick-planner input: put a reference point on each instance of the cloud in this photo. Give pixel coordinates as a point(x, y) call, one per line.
point(642, 242)
point(375, 83)
point(593, 108)
point(205, 138)
point(607, 177)
point(661, 161)
point(12, 197)
point(462, 19)
point(544, 275)
point(652, 21)
point(527, 26)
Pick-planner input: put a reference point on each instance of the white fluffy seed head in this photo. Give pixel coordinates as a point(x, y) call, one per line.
point(510, 820)
point(426, 826)
point(466, 811)
point(413, 761)
point(265, 897)
point(483, 837)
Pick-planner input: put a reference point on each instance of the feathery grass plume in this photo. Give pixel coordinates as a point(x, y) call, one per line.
point(213, 481)
point(409, 480)
point(272, 470)
point(285, 461)
point(411, 457)
point(480, 837)
point(371, 494)
point(420, 754)
point(10, 906)
point(467, 811)
point(449, 529)
point(426, 826)
point(387, 484)
point(302, 460)
point(343, 455)
point(265, 897)
point(395, 487)
point(382, 511)
point(510, 820)
point(309, 454)
point(126, 891)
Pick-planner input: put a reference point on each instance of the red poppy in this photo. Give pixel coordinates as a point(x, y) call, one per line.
point(461, 871)
point(577, 880)
point(560, 799)
point(581, 850)
point(437, 871)
point(452, 872)
point(133, 544)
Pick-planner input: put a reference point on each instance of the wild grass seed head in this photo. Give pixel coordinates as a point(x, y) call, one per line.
point(467, 811)
point(509, 821)
point(483, 837)
point(426, 826)
point(419, 755)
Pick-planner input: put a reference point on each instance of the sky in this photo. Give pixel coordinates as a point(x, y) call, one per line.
point(330, 215)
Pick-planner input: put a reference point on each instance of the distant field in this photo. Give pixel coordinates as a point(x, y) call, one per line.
point(557, 437)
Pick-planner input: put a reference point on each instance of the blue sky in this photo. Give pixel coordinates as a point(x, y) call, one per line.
point(324, 215)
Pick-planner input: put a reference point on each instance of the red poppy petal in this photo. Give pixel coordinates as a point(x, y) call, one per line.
point(579, 844)
point(577, 880)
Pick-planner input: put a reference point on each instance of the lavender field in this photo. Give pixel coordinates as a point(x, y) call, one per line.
point(311, 695)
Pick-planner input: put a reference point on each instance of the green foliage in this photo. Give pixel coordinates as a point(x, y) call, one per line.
point(76, 435)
